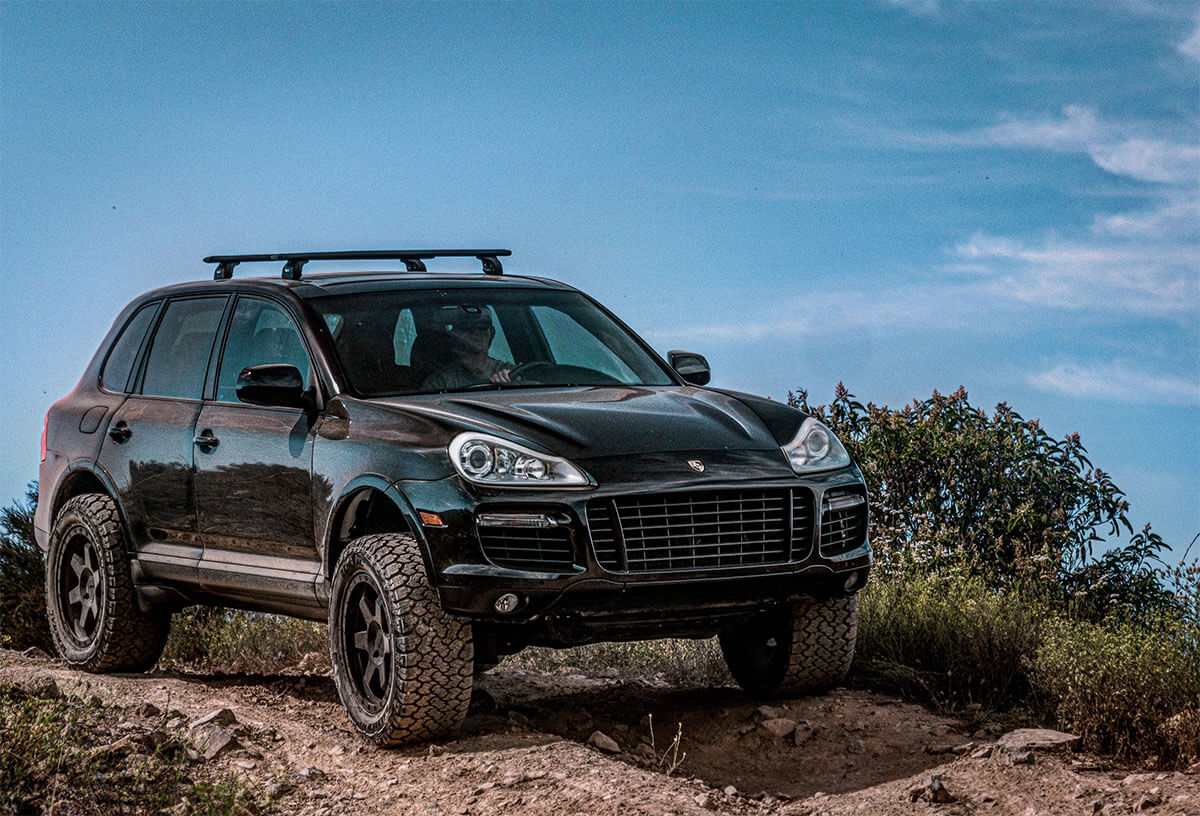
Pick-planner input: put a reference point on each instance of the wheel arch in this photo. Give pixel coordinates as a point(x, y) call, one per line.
point(367, 505)
point(82, 478)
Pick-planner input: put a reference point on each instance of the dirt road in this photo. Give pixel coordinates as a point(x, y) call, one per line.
point(544, 744)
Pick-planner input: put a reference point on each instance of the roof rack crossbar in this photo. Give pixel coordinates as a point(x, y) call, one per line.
point(413, 259)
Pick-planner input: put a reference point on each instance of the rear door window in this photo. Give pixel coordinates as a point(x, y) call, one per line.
point(119, 366)
point(179, 352)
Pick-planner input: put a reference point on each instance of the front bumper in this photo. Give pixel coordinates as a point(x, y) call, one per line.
point(587, 590)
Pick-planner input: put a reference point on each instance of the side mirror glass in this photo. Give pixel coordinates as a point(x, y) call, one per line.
point(275, 384)
point(691, 366)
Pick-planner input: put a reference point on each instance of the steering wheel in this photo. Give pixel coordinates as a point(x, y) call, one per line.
point(524, 371)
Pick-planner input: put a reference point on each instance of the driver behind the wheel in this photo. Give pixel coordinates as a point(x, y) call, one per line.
point(469, 338)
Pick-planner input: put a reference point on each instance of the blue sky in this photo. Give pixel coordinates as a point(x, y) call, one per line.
point(902, 196)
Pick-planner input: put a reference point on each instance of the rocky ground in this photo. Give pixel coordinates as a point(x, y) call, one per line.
point(605, 743)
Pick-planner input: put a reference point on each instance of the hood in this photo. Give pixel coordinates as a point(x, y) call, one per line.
point(607, 421)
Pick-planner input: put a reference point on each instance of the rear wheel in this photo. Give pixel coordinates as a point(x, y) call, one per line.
point(402, 666)
point(90, 600)
point(804, 647)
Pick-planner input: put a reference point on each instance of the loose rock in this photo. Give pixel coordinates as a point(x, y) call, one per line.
point(221, 716)
point(1036, 739)
point(766, 712)
point(604, 742)
point(781, 726)
point(211, 740)
point(932, 789)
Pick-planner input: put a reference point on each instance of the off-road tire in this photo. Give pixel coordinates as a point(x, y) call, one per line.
point(805, 647)
point(401, 664)
point(90, 600)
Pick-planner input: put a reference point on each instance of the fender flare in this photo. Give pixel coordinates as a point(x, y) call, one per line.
point(349, 494)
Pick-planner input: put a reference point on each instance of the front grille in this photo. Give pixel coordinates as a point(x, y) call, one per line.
point(537, 550)
point(843, 521)
point(700, 530)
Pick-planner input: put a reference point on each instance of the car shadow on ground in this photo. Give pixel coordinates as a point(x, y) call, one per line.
point(842, 741)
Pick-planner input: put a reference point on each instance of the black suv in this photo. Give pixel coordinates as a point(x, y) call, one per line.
point(447, 468)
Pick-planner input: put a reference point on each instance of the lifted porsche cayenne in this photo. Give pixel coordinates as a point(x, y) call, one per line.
point(447, 467)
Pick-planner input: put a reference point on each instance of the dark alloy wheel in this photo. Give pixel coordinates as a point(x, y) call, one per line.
point(90, 600)
point(81, 588)
point(805, 647)
point(368, 633)
point(401, 665)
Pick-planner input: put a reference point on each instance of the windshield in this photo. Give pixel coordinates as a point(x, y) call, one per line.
point(429, 341)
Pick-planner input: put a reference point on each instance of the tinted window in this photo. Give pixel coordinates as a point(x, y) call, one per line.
point(119, 365)
point(425, 341)
point(571, 344)
point(181, 346)
point(261, 333)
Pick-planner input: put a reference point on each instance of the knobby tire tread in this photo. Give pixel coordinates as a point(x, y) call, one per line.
point(433, 656)
point(129, 639)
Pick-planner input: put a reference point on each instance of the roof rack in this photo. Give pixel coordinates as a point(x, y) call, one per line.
point(413, 259)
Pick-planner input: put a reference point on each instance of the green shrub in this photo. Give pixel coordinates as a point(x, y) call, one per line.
point(22, 579)
point(229, 640)
point(1127, 689)
point(948, 639)
point(954, 488)
point(53, 760)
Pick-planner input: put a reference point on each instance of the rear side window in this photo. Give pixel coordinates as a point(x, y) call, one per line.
point(119, 365)
point(179, 352)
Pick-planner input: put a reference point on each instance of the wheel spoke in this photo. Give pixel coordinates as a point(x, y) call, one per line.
point(74, 596)
point(369, 614)
point(371, 669)
point(91, 607)
point(89, 553)
point(77, 566)
point(361, 641)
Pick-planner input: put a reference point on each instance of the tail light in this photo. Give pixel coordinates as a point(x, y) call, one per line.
point(45, 428)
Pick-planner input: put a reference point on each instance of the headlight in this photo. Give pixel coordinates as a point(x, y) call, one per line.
point(489, 460)
point(815, 448)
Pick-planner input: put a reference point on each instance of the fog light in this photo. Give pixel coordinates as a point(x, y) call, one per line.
point(852, 581)
point(507, 603)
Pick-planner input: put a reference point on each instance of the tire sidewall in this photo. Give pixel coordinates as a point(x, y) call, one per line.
point(76, 517)
point(354, 562)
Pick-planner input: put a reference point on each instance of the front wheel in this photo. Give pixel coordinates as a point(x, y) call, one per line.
point(90, 599)
point(804, 647)
point(401, 664)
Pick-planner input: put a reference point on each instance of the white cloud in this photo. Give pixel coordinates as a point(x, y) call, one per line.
point(1149, 160)
point(1118, 381)
point(1190, 47)
point(1142, 264)
point(921, 8)
point(1120, 148)
point(1175, 219)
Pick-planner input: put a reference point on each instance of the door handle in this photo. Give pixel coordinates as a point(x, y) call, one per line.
point(206, 441)
point(120, 432)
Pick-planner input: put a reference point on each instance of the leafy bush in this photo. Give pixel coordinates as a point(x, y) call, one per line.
point(954, 488)
point(54, 759)
point(22, 578)
point(230, 640)
point(950, 640)
point(1127, 689)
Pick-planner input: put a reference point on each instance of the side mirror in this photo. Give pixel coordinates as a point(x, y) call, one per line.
point(275, 384)
point(691, 366)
